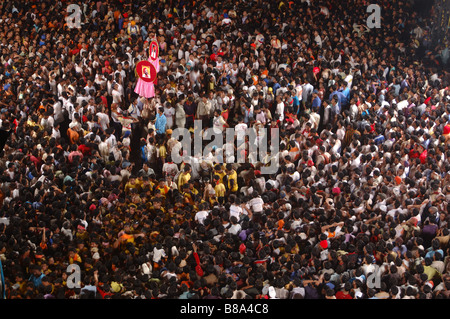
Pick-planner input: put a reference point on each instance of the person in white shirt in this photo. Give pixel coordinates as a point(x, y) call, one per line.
point(307, 91)
point(56, 134)
point(336, 146)
point(158, 253)
point(314, 118)
point(235, 226)
point(169, 112)
point(120, 71)
point(103, 120)
point(57, 112)
point(201, 215)
point(317, 39)
point(104, 149)
point(61, 87)
point(340, 131)
point(218, 122)
point(188, 26)
point(111, 140)
point(47, 122)
point(280, 108)
point(256, 203)
point(353, 110)
point(68, 104)
point(240, 130)
point(116, 95)
point(170, 169)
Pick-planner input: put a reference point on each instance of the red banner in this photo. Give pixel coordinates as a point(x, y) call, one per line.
point(153, 51)
point(146, 71)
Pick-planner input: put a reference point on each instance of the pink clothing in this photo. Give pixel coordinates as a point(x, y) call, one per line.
point(147, 89)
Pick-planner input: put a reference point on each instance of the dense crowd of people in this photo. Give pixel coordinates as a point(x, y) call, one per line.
point(359, 205)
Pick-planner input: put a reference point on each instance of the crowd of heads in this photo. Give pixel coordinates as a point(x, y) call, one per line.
point(359, 204)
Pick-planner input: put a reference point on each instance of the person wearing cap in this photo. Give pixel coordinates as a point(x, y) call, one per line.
point(132, 28)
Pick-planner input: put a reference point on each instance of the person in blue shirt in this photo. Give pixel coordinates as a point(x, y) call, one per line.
point(144, 32)
point(338, 94)
point(121, 21)
point(335, 108)
point(346, 94)
point(248, 113)
point(161, 121)
point(435, 250)
point(316, 102)
point(275, 85)
point(36, 276)
point(296, 104)
point(379, 139)
point(144, 150)
point(89, 286)
point(427, 140)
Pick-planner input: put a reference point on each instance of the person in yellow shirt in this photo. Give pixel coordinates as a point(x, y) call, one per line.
point(429, 270)
point(192, 188)
point(133, 182)
point(185, 176)
point(162, 154)
point(218, 170)
point(231, 179)
point(187, 195)
point(159, 196)
point(155, 207)
point(220, 189)
point(74, 257)
point(162, 187)
point(21, 283)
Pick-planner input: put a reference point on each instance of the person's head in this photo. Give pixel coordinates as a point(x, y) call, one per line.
point(36, 270)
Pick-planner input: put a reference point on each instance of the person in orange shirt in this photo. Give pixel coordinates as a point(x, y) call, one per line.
point(162, 187)
point(74, 257)
point(73, 135)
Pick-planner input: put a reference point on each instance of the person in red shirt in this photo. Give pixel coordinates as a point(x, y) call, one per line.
point(35, 158)
point(446, 133)
point(345, 293)
point(84, 149)
point(419, 151)
point(414, 153)
point(225, 113)
point(423, 154)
